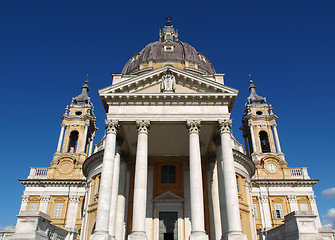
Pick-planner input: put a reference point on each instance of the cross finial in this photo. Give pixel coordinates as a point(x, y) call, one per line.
point(86, 81)
point(168, 22)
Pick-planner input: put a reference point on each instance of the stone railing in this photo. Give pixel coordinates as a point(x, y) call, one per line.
point(299, 173)
point(37, 225)
point(100, 145)
point(38, 173)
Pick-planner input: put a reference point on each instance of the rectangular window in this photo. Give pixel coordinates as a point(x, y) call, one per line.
point(33, 207)
point(254, 209)
point(303, 207)
point(238, 186)
point(278, 212)
point(168, 174)
point(58, 210)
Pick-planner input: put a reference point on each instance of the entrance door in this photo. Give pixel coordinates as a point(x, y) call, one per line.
point(168, 225)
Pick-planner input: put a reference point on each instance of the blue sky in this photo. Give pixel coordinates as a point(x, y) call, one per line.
point(47, 47)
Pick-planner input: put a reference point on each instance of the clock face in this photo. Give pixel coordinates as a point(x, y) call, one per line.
point(272, 168)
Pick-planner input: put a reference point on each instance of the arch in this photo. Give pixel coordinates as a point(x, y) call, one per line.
point(73, 141)
point(264, 139)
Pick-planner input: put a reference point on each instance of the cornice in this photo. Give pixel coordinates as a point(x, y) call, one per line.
point(261, 117)
point(283, 182)
point(75, 117)
point(53, 182)
point(91, 160)
point(245, 161)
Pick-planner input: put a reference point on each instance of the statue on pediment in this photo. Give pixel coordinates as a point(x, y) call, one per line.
point(168, 82)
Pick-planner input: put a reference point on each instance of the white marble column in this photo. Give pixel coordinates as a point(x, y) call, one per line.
point(90, 149)
point(44, 201)
point(72, 211)
point(60, 140)
point(196, 186)
point(187, 199)
point(265, 211)
point(85, 215)
point(84, 140)
point(140, 184)
point(115, 187)
point(102, 222)
point(292, 200)
point(215, 217)
point(275, 132)
point(24, 203)
point(314, 208)
point(229, 185)
point(120, 223)
point(253, 141)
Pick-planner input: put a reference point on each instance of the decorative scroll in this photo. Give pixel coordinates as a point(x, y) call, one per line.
point(193, 126)
point(45, 198)
point(143, 126)
point(112, 126)
point(224, 125)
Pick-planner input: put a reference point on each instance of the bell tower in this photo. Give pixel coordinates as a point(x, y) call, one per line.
point(76, 138)
point(261, 137)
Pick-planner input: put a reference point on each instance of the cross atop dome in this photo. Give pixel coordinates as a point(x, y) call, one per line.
point(168, 34)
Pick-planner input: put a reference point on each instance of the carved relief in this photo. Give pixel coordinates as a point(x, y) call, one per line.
point(168, 82)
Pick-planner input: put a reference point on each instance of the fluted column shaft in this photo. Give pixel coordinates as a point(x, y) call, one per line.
point(196, 190)
point(140, 183)
point(104, 201)
point(115, 187)
point(229, 185)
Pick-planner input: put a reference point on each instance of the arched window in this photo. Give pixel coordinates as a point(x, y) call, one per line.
point(265, 145)
point(73, 141)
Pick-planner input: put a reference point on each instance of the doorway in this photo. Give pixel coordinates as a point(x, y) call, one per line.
point(168, 225)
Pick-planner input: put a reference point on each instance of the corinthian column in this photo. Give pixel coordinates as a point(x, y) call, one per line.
point(140, 183)
point(105, 193)
point(230, 203)
point(196, 191)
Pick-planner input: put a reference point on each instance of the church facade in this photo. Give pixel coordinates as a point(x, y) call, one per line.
point(168, 167)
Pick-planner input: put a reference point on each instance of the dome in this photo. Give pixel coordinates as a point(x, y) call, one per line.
point(168, 50)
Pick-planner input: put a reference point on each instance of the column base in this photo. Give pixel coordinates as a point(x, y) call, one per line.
point(138, 236)
point(234, 236)
point(198, 236)
point(101, 235)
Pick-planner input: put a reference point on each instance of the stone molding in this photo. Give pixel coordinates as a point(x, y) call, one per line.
point(245, 161)
point(112, 126)
point(283, 183)
point(224, 125)
point(143, 126)
point(52, 183)
point(193, 126)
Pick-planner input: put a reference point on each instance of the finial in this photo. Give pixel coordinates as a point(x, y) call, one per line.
point(250, 78)
point(86, 81)
point(168, 22)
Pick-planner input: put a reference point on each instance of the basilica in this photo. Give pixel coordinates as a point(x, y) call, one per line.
point(168, 166)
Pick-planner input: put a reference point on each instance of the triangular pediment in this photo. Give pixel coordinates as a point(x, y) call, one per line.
point(168, 196)
point(150, 82)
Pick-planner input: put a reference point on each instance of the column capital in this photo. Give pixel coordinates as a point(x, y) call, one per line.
point(143, 126)
point(74, 198)
point(45, 198)
point(273, 124)
point(112, 126)
point(250, 124)
point(193, 126)
point(292, 198)
point(25, 198)
point(311, 198)
point(263, 198)
point(224, 125)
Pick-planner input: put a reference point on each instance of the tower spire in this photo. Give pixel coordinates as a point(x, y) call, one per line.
point(83, 98)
